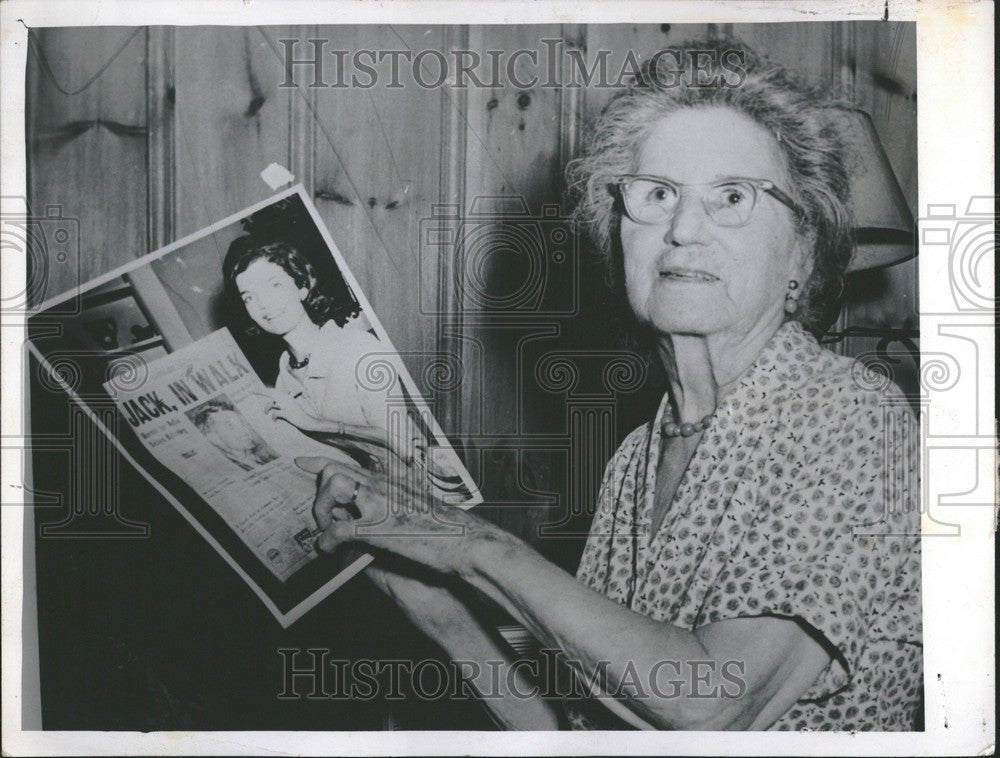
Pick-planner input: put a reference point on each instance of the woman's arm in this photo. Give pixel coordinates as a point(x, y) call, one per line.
point(277, 405)
point(486, 665)
point(736, 674)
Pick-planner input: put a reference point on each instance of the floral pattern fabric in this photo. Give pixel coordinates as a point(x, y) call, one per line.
point(800, 501)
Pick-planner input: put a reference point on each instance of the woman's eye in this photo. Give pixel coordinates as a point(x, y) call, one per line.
point(660, 194)
point(734, 196)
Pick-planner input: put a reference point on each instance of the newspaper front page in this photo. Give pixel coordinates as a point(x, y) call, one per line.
point(202, 416)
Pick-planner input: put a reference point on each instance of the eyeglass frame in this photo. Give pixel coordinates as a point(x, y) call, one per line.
point(763, 185)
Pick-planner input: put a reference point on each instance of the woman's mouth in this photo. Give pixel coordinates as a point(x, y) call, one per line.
point(270, 322)
point(687, 275)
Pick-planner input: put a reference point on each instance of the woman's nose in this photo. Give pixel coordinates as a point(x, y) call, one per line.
point(688, 223)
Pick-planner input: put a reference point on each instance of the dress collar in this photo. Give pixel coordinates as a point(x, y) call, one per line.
point(784, 361)
point(327, 333)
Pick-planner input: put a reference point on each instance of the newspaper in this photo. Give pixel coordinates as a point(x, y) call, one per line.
point(194, 355)
point(203, 418)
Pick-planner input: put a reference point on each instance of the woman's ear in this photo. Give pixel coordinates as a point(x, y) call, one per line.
point(802, 259)
point(309, 283)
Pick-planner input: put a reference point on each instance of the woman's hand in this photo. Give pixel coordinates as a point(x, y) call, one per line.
point(406, 455)
point(280, 406)
point(421, 594)
point(781, 659)
point(400, 516)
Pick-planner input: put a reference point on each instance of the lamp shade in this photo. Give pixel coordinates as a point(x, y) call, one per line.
point(883, 223)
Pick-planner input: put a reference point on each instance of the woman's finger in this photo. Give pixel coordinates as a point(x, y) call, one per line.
point(342, 491)
point(335, 492)
point(336, 534)
point(341, 514)
point(327, 468)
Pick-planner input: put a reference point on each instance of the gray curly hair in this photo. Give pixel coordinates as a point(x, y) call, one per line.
point(796, 112)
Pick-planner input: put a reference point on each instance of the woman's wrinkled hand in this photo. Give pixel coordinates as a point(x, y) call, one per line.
point(400, 516)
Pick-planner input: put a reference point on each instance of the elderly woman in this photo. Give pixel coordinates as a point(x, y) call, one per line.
point(754, 558)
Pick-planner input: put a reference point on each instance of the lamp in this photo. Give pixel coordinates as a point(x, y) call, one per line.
point(883, 224)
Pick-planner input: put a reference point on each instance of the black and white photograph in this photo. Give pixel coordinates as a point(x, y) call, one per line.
point(204, 412)
point(409, 374)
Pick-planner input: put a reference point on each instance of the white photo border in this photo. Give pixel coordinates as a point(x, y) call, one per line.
point(955, 79)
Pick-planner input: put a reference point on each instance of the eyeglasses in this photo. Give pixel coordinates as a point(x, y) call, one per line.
point(729, 202)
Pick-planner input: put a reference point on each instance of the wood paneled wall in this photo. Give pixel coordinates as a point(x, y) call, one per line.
point(148, 135)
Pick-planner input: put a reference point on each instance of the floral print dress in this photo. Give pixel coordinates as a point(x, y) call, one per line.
point(800, 501)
